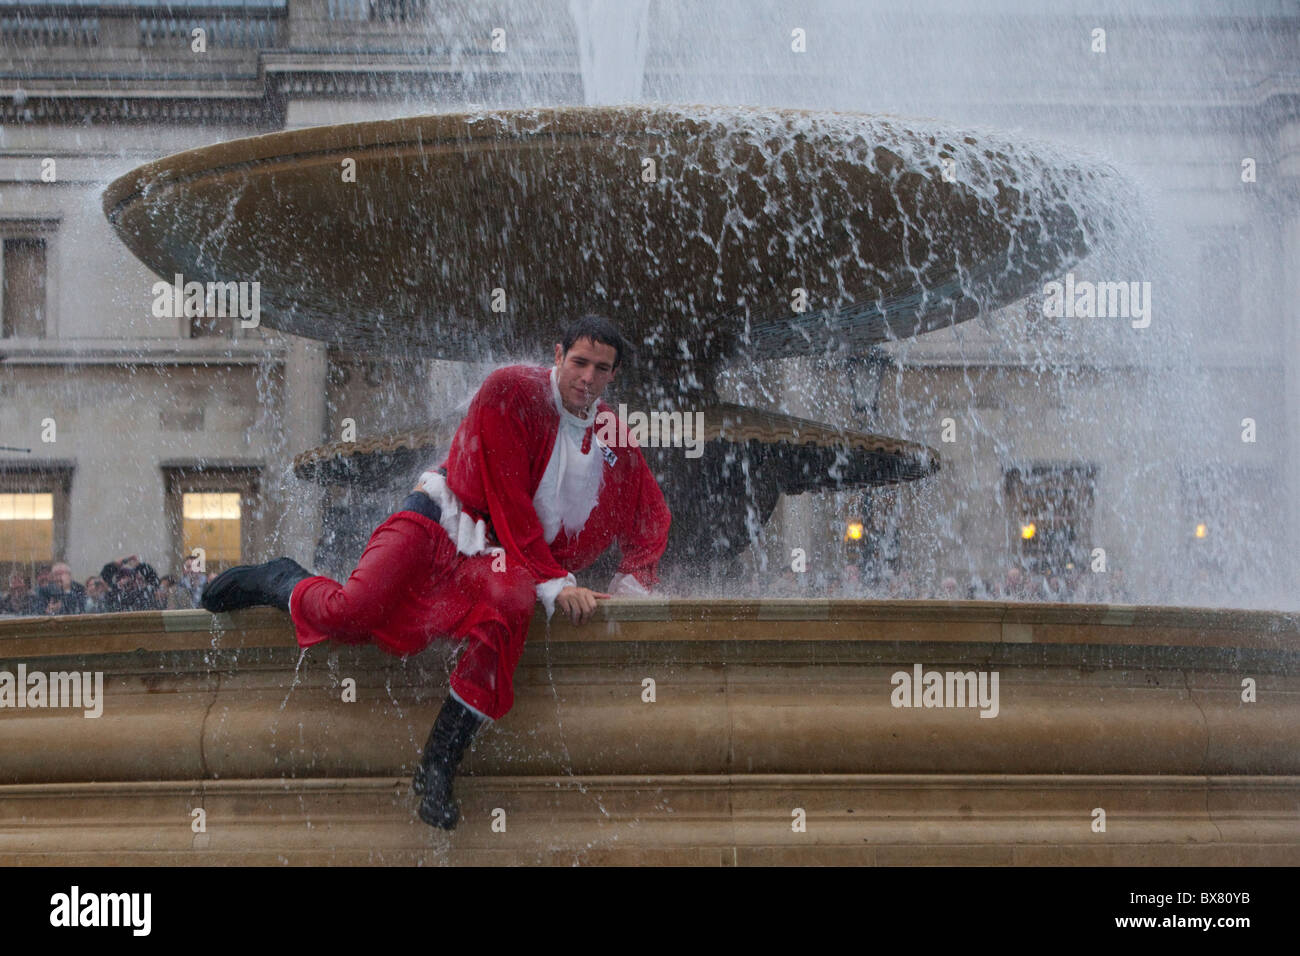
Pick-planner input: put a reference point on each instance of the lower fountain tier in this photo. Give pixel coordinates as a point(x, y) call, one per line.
point(717, 492)
point(760, 708)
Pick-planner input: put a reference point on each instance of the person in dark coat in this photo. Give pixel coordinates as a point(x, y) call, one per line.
point(129, 592)
point(63, 595)
point(20, 599)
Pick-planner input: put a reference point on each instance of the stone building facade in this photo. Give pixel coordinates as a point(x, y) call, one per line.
point(112, 415)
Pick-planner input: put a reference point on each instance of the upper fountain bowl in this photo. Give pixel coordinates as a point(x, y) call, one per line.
point(705, 231)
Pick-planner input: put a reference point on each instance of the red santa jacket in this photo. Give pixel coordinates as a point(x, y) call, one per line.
point(506, 449)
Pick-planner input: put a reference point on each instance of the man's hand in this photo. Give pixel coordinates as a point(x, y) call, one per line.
point(578, 603)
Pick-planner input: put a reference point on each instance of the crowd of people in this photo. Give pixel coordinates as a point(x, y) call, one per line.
point(127, 584)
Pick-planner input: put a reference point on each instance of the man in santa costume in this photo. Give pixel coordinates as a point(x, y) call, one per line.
point(528, 494)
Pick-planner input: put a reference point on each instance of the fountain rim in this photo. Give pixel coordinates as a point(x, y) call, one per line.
point(178, 168)
point(689, 619)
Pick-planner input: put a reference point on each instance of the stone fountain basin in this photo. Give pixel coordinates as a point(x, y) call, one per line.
point(741, 687)
point(763, 710)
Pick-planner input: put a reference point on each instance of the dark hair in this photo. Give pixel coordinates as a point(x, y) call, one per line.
point(598, 329)
point(147, 574)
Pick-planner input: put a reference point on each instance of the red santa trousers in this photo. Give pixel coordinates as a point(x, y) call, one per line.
point(412, 587)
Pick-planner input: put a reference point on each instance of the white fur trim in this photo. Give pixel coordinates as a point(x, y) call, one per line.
point(470, 537)
point(548, 591)
point(570, 486)
point(626, 585)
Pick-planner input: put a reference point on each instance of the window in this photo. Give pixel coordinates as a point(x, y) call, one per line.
point(22, 292)
point(871, 534)
point(1050, 507)
point(33, 517)
point(211, 520)
point(1230, 518)
point(216, 508)
point(205, 327)
point(26, 527)
point(397, 9)
point(222, 317)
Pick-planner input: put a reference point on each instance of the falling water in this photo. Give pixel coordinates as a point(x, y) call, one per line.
point(612, 44)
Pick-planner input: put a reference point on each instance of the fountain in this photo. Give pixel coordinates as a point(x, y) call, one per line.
point(714, 236)
point(698, 729)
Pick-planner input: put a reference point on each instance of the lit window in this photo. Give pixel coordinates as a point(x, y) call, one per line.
point(1051, 506)
point(26, 528)
point(210, 520)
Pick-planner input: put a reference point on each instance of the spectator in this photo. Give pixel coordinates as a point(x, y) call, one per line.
point(63, 595)
point(193, 581)
point(1086, 587)
point(1072, 583)
point(148, 576)
point(129, 592)
point(172, 597)
point(851, 585)
point(901, 586)
point(96, 595)
point(1015, 586)
point(108, 574)
point(20, 599)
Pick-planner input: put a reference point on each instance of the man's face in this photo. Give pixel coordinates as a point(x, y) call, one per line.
point(583, 372)
point(62, 575)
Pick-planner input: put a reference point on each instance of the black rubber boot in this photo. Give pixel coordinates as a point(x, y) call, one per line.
point(451, 734)
point(252, 585)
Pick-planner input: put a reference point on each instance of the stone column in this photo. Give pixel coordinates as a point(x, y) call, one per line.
point(298, 514)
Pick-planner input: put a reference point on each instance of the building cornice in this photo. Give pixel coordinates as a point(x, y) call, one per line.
point(155, 106)
point(138, 351)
